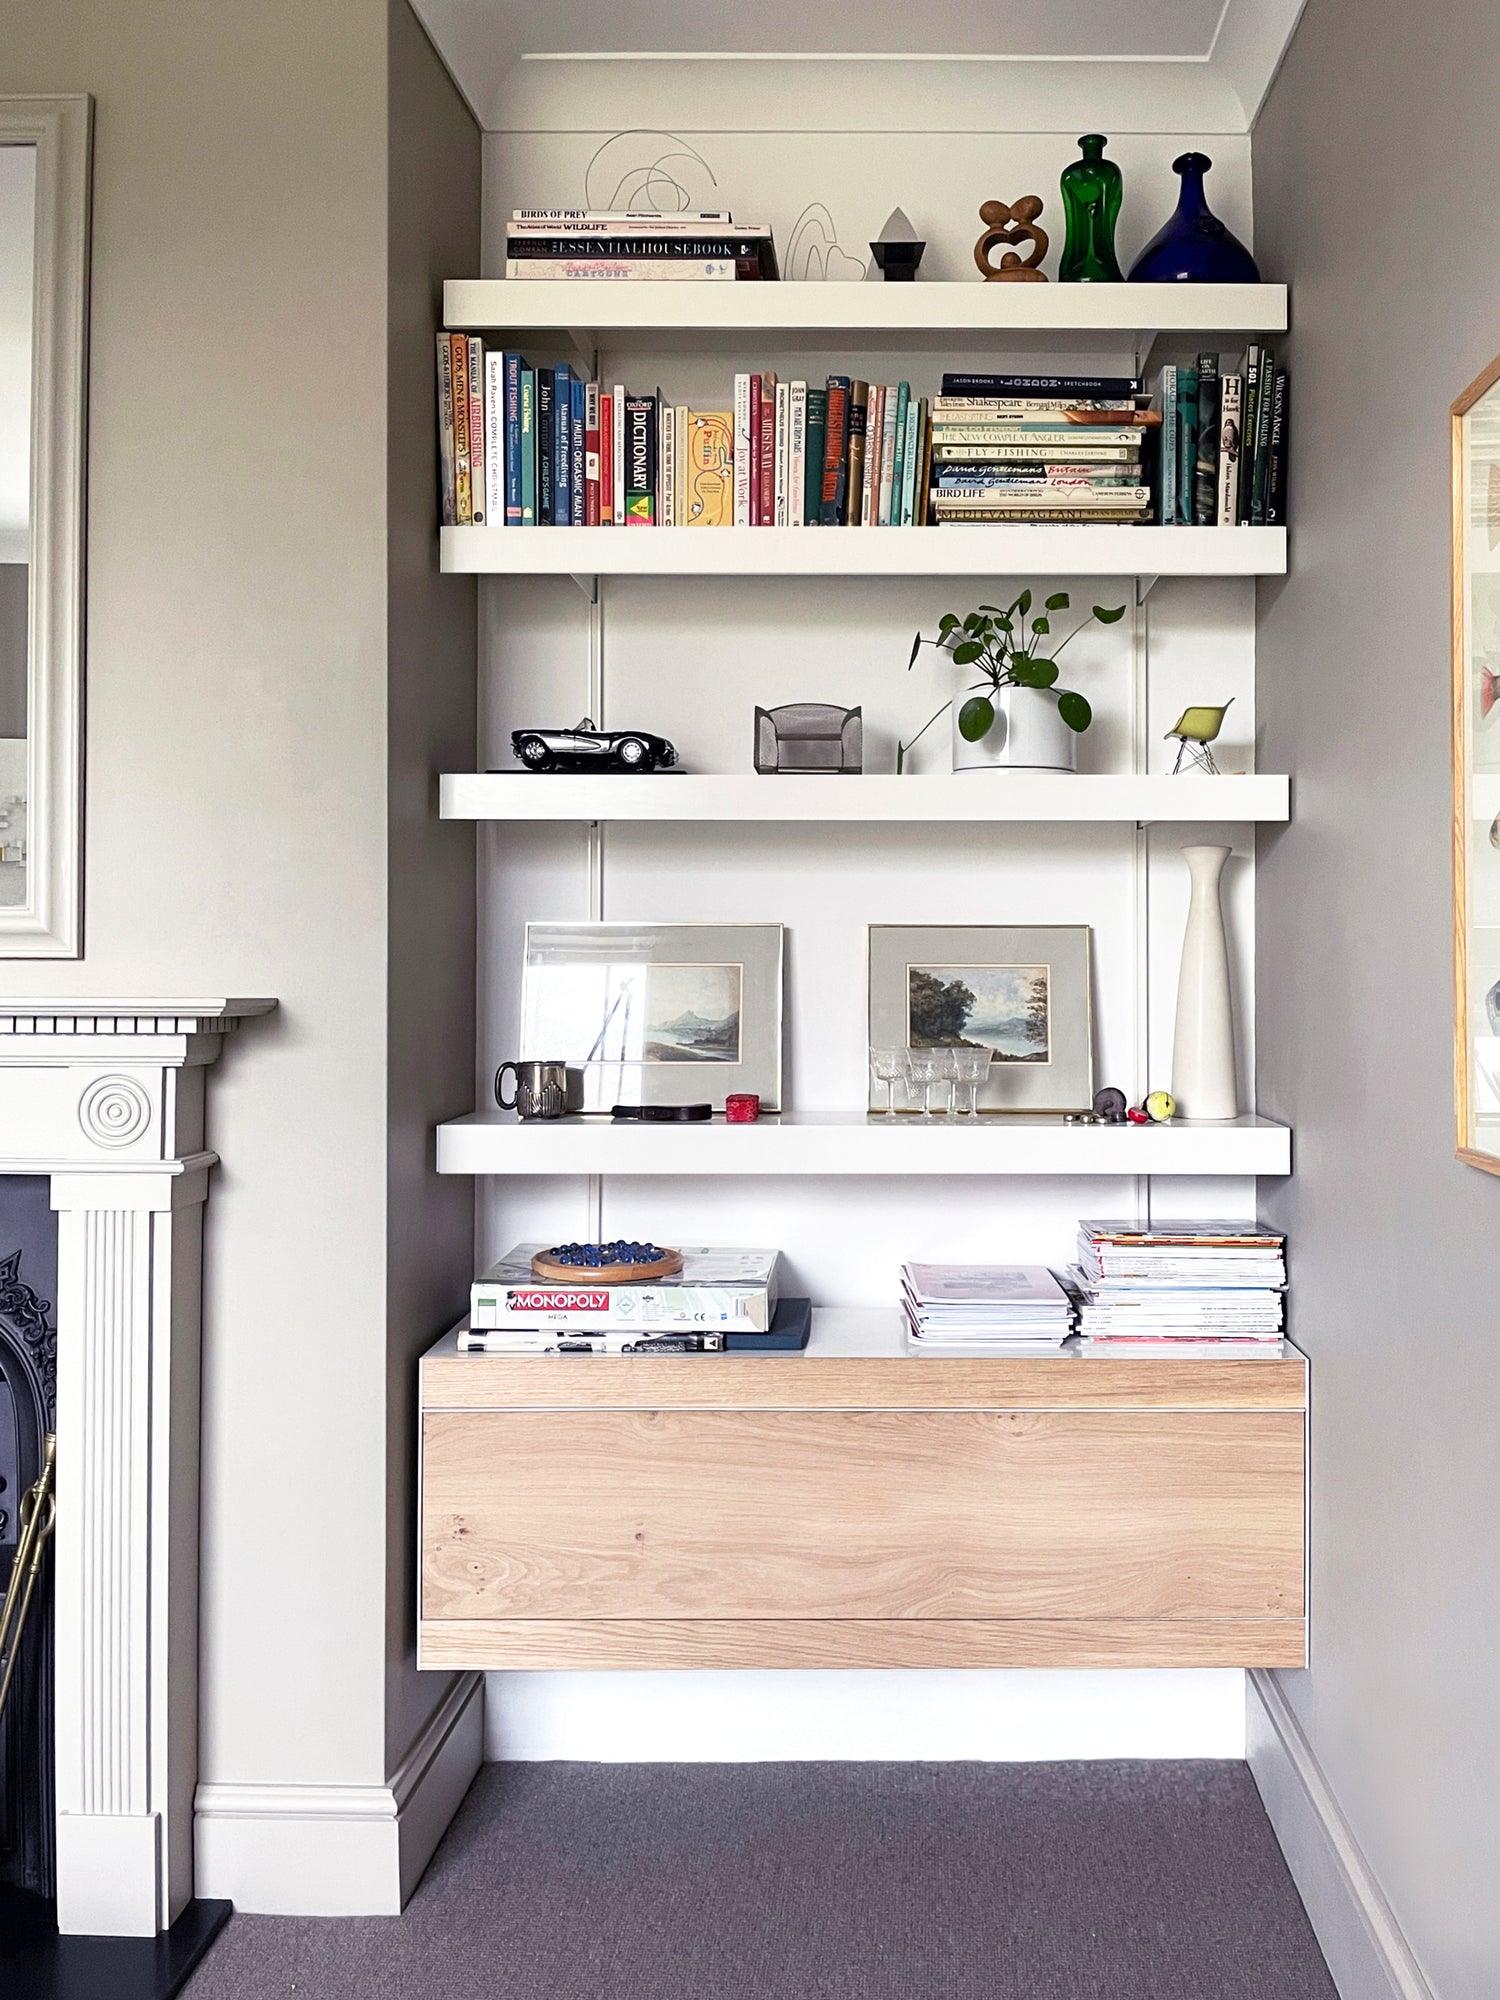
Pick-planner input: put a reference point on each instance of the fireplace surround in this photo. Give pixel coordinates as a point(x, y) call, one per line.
point(106, 1099)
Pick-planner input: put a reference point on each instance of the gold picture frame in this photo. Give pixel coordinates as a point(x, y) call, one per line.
point(1476, 769)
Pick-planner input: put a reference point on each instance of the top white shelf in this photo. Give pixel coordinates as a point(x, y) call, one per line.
point(615, 312)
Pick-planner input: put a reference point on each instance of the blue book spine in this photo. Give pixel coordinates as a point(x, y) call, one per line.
point(527, 437)
point(577, 446)
point(562, 446)
point(513, 365)
point(546, 426)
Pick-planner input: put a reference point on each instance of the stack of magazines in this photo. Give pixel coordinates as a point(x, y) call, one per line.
point(568, 243)
point(717, 1295)
point(1217, 1282)
point(983, 1308)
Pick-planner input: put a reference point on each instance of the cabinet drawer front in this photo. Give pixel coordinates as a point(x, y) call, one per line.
point(862, 1514)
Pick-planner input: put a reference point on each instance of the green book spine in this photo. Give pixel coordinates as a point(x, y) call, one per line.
point(1206, 456)
point(1187, 442)
point(817, 431)
point(1167, 462)
point(1262, 452)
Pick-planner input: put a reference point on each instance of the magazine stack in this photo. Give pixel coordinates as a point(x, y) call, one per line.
point(1219, 1283)
point(983, 1308)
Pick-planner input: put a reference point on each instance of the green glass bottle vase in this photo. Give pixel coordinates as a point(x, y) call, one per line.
point(1091, 190)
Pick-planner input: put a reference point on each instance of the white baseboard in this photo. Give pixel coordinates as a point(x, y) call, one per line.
point(1013, 1716)
point(1367, 1955)
point(341, 1850)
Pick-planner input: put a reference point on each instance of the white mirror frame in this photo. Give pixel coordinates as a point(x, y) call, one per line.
point(49, 923)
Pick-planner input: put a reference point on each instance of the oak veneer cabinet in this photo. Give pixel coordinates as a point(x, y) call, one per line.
point(858, 1506)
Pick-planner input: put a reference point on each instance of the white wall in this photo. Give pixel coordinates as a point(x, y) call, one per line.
point(1389, 231)
point(692, 659)
point(259, 805)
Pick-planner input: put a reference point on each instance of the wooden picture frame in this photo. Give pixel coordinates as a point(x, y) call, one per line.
point(1475, 445)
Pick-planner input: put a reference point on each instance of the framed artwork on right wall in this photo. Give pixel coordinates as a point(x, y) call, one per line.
point(1476, 768)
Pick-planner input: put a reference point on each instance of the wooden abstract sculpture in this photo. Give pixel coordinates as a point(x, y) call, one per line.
point(1012, 222)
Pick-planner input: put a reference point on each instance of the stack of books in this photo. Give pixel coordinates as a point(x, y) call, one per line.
point(1219, 1283)
point(717, 1295)
point(1223, 458)
point(984, 1308)
point(1040, 448)
point(707, 245)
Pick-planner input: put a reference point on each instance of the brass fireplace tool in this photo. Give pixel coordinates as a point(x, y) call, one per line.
point(38, 1515)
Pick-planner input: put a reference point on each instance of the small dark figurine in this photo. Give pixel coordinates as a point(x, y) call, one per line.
point(897, 250)
point(1109, 1105)
point(1012, 222)
point(589, 749)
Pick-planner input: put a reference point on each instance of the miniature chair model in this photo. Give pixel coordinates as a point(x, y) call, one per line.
point(1195, 729)
point(809, 736)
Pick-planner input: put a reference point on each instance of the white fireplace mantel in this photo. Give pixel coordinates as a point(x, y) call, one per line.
point(106, 1098)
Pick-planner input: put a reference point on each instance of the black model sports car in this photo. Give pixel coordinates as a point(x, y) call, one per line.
point(589, 749)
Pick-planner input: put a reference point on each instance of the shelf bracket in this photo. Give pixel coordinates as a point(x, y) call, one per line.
point(589, 585)
point(1144, 585)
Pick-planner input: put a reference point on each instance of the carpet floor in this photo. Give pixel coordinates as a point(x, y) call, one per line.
point(1098, 1881)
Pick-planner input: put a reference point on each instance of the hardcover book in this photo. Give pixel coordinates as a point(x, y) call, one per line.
point(507, 453)
point(1231, 402)
point(836, 452)
point(448, 511)
point(817, 429)
point(463, 495)
point(1206, 456)
point(477, 473)
point(859, 414)
point(546, 440)
point(528, 448)
point(640, 462)
point(562, 445)
point(743, 517)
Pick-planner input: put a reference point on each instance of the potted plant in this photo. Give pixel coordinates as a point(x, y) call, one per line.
point(1016, 717)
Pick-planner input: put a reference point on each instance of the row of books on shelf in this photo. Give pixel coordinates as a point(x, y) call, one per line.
point(524, 446)
point(1171, 1287)
point(705, 246)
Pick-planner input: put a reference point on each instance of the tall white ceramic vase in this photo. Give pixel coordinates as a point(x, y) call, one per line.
point(1203, 1045)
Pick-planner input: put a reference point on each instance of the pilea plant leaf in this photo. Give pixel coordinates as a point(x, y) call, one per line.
point(1109, 617)
point(947, 622)
point(966, 654)
point(1074, 711)
point(976, 718)
point(916, 647)
point(1023, 602)
point(1058, 601)
point(1041, 625)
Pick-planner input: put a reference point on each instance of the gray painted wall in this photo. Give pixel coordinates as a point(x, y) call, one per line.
point(261, 620)
point(14, 648)
point(1376, 164)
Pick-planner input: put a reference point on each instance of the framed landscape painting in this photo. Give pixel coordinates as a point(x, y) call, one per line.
point(1476, 769)
point(656, 1013)
point(1022, 992)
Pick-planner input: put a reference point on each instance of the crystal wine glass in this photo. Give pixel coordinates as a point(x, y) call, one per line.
point(889, 1066)
point(973, 1067)
point(948, 1072)
point(924, 1067)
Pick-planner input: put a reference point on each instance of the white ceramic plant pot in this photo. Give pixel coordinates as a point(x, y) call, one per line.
point(1203, 1044)
point(1027, 734)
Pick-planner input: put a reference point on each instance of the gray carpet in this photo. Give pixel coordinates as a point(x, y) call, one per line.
point(1119, 1881)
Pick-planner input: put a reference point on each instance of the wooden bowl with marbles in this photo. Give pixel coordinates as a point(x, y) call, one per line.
point(617, 1263)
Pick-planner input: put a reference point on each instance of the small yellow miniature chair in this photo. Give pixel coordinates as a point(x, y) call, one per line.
point(1195, 729)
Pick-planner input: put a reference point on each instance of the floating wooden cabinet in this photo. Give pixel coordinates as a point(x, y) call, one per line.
point(848, 1508)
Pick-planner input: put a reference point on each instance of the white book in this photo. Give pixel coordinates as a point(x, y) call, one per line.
point(742, 449)
point(617, 450)
point(874, 452)
point(666, 466)
point(796, 508)
point(494, 439)
point(783, 453)
point(888, 457)
point(635, 270)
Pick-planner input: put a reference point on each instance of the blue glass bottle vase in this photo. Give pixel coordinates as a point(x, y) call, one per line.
point(1193, 247)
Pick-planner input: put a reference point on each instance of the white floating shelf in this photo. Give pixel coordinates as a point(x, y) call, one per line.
point(614, 312)
point(971, 800)
point(492, 1142)
point(959, 548)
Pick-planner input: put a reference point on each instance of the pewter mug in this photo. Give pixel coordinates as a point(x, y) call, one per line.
point(539, 1090)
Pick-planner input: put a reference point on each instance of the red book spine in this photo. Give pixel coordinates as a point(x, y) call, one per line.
point(756, 396)
point(834, 445)
point(606, 459)
point(766, 518)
